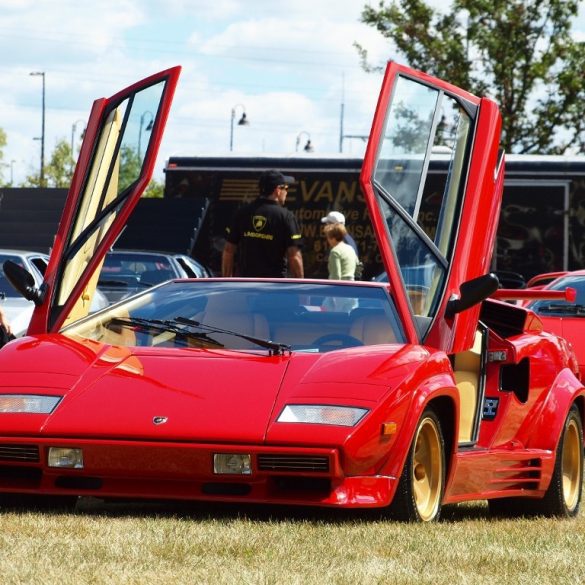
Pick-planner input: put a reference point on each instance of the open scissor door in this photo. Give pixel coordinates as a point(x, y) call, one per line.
point(433, 235)
point(115, 164)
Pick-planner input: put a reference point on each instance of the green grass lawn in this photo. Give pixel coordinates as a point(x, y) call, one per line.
point(102, 543)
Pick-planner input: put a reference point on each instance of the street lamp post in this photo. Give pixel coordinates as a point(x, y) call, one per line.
point(308, 146)
point(243, 121)
point(148, 128)
point(42, 173)
point(73, 130)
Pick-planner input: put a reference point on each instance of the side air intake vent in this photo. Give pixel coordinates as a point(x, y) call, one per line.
point(298, 463)
point(19, 453)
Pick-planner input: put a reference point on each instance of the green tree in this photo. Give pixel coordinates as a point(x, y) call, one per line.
point(519, 52)
point(130, 164)
point(155, 189)
point(58, 171)
point(130, 167)
point(3, 142)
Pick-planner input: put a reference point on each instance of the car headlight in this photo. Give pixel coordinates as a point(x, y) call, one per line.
point(36, 404)
point(321, 414)
point(65, 457)
point(232, 463)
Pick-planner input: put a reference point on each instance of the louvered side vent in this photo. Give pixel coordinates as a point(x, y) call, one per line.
point(19, 453)
point(515, 475)
point(299, 463)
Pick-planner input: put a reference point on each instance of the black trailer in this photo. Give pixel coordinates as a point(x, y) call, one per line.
point(542, 224)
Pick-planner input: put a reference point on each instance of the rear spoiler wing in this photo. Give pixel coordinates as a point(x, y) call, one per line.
point(525, 294)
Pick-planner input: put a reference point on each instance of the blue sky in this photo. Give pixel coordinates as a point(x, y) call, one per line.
point(288, 63)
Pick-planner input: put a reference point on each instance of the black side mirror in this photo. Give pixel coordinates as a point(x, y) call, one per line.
point(23, 282)
point(473, 292)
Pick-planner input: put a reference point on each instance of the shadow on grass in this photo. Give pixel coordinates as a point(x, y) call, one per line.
point(258, 512)
point(221, 511)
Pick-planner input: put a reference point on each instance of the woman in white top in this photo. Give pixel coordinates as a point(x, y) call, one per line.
point(342, 258)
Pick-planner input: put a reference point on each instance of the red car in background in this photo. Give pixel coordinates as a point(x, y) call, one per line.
point(402, 395)
point(541, 280)
point(565, 318)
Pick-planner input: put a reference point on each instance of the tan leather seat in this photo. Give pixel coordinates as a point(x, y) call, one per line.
point(467, 367)
point(372, 330)
point(233, 315)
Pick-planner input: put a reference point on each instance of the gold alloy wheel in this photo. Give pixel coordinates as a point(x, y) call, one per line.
point(427, 470)
point(572, 460)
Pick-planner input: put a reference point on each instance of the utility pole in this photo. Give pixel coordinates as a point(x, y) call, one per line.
point(342, 113)
point(42, 173)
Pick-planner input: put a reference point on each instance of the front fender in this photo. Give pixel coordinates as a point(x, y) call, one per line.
point(438, 389)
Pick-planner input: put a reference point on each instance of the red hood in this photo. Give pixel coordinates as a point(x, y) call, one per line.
point(116, 392)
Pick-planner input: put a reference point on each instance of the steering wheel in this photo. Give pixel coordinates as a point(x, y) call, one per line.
point(336, 341)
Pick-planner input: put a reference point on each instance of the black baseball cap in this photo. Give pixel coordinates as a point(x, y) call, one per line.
point(271, 179)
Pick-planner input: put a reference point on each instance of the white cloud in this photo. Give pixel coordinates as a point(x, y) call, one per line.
point(303, 41)
point(203, 9)
point(66, 29)
point(284, 60)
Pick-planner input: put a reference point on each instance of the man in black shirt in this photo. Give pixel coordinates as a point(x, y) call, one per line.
point(265, 234)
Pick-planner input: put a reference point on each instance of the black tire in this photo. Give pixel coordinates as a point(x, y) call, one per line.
point(563, 496)
point(419, 494)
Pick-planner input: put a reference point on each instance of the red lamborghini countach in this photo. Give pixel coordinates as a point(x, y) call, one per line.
point(402, 395)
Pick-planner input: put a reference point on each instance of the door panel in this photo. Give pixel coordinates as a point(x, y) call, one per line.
point(430, 245)
point(115, 165)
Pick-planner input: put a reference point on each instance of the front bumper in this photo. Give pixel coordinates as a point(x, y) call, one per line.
point(153, 470)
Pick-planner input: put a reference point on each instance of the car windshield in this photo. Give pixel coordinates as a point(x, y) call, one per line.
point(306, 317)
point(560, 307)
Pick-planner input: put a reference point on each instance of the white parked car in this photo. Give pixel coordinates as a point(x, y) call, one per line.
point(17, 309)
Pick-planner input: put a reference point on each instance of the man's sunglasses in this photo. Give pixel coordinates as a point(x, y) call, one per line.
point(285, 187)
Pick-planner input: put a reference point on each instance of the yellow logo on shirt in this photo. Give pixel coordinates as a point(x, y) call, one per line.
point(259, 222)
point(258, 236)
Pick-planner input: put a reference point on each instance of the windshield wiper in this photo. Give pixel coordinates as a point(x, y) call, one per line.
point(578, 310)
point(166, 326)
point(272, 347)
